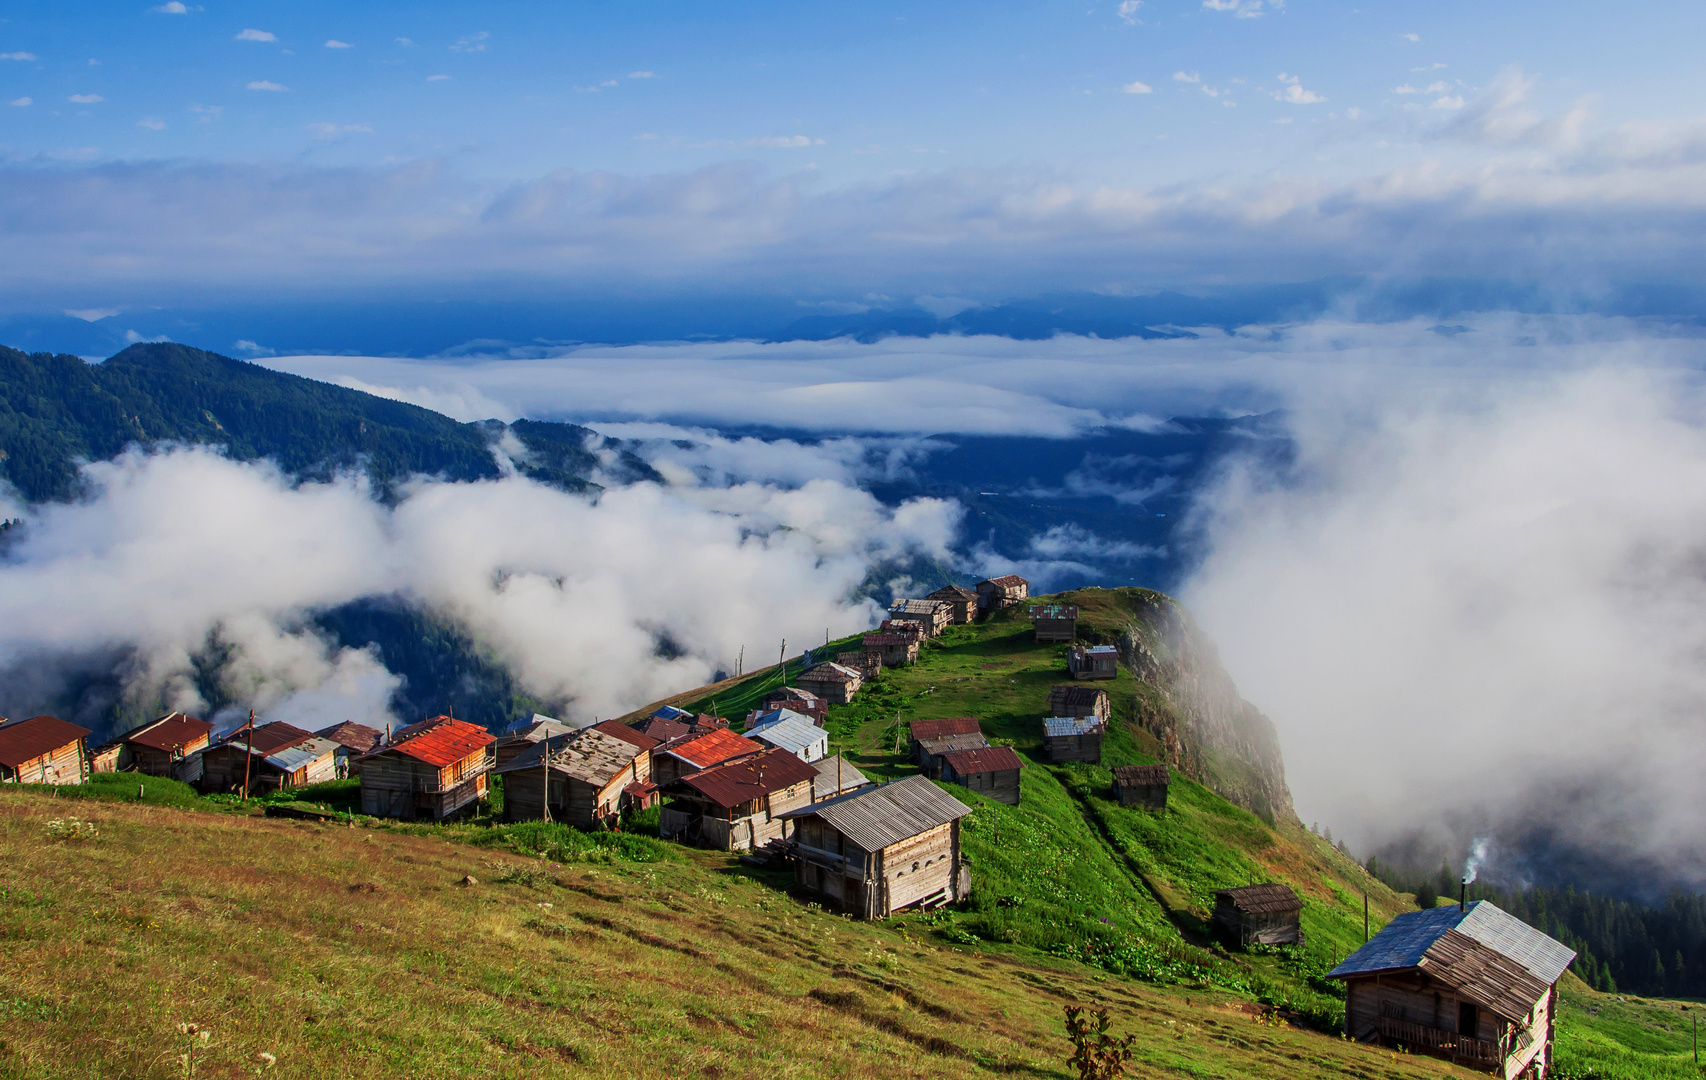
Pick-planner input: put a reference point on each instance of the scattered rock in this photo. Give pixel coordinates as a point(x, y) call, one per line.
point(469, 880)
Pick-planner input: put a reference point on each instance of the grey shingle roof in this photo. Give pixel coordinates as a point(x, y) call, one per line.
point(886, 815)
point(1407, 939)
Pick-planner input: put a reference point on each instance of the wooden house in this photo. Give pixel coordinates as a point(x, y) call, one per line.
point(792, 732)
point(1074, 738)
point(930, 753)
point(430, 770)
point(297, 763)
point(170, 746)
point(1259, 915)
point(739, 805)
point(923, 733)
point(837, 684)
point(354, 740)
point(1064, 699)
point(242, 753)
point(992, 771)
point(1142, 785)
point(43, 750)
point(1005, 591)
point(589, 770)
point(961, 601)
point(836, 776)
point(1093, 662)
point(902, 626)
point(1055, 622)
point(662, 729)
point(801, 701)
point(105, 758)
point(869, 664)
point(894, 649)
point(882, 850)
point(693, 753)
point(1467, 983)
point(931, 615)
point(519, 740)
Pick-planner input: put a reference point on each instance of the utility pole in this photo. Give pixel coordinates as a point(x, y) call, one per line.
point(545, 783)
point(782, 661)
point(248, 753)
point(740, 665)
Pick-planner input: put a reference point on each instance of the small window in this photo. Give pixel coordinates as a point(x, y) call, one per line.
point(1468, 1019)
point(915, 868)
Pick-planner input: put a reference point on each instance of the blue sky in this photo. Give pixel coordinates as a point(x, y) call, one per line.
point(835, 153)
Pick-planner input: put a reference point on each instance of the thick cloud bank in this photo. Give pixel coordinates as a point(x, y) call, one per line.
point(599, 605)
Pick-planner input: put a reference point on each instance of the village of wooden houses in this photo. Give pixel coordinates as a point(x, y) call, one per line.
point(821, 789)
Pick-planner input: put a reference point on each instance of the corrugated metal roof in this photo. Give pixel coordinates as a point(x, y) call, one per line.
point(354, 736)
point(792, 732)
point(712, 748)
point(971, 740)
point(670, 712)
point(627, 734)
point(1265, 899)
point(268, 738)
point(26, 740)
point(1406, 940)
point(736, 782)
point(985, 759)
point(886, 815)
point(306, 752)
point(936, 729)
point(1056, 726)
point(1006, 581)
point(1142, 775)
point(442, 744)
point(1483, 975)
point(836, 770)
point(1095, 650)
point(537, 729)
point(171, 733)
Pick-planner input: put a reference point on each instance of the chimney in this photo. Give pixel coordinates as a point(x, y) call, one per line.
point(1463, 895)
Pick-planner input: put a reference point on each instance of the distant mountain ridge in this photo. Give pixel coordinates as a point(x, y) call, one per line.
point(57, 410)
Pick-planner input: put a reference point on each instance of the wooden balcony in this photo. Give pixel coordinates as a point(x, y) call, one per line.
point(1463, 1050)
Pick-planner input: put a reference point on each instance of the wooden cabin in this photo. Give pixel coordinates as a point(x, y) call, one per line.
point(1055, 622)
point(882, 850)
point(930, 615)
point(294, 764)
point(922, 731)
point(430, 770)
point(1093, 662)
point(223, 763)
point(589, 771)
point(801, 701)
point(1467, 983)
point(793, 733)
point(354, 740)
point(1074, 738)
point(836, 776)
point(105, 757)
point(1064, 699)
point(894, 649)
point(739, 805)
point(693, 753)
point(1259, 915)
point(171, 746)
point(43, 750)
point(992, 771)
point(836, 684)
point(519, 740)
point(1005, 591)
point(869, 664)
point(662, 729)
point(961, 601)
point(1142, 785)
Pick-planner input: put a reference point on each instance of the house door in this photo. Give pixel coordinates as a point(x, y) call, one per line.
point(1468, 1020)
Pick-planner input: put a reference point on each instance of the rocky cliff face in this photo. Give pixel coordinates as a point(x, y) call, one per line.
point(1205, 728)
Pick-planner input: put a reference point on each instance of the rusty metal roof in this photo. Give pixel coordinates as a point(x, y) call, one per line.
point(1005, 581)
point(1142, 775)
point(353, 736)
point(26, 740)
point(440, 744)
point(936, 729)
point(627, 734)
point(712, 748)
point(1055, 727)
point(1262, 899)
point(656, 727)
point(877, 817)
point(736, 782)
point(268, 738)
point(983, 759)
point(171, 733)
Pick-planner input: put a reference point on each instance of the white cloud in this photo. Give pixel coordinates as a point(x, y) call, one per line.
point(255, 35)
point(405, 43)
point(1138, 88)
point(330, 131)
point(17, 56)
point(334, 43)
point(1192, 77)
point(263, 84)
point(1436, 88)
point(152, 123)
point(1428, 67)
point(172, 7)
point(206, 113)
point(1243, 9)
point(1405, 89)
point(471, 43)
point(777, 142)
point(85, 99)
point(21, 102)
point(437, 78)
point(1412, 37)
point(1128, 10)
point(1295, 94)
point(642, 75)
point(1447, 103)
point(92, 314)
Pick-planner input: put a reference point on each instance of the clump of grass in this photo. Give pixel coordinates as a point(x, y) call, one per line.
point(71, 829)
